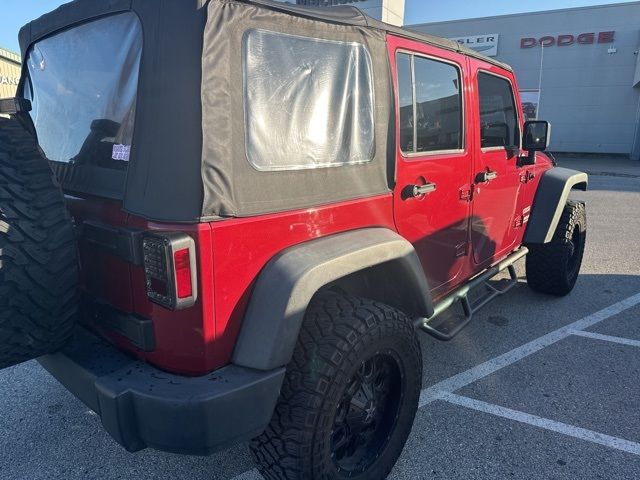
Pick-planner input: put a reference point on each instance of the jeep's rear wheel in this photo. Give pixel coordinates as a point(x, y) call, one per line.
point(349, 397)
point(554, 267)
point(38, 259)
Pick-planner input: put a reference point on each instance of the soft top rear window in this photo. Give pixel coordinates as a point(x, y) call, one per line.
point(83, 85)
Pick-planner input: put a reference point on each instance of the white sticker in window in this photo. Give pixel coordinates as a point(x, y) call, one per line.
point(121, 152)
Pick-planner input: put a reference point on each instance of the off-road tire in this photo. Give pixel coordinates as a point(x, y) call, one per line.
point(338, 334)
point(553, 267)
point(38, 258)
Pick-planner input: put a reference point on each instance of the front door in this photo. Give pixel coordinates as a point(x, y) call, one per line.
point(433, 168)
point(497, 183)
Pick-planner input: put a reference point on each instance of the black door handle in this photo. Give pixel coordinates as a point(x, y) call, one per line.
point(413, 191)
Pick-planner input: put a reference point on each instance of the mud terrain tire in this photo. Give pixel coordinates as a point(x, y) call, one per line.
point(553, 267)
point(349, 396)
point(38, 257)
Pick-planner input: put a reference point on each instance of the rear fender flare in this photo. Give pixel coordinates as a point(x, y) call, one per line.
point(551, 197)
point(289, 281)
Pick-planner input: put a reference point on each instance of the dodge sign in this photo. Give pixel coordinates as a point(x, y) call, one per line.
point(567, 39)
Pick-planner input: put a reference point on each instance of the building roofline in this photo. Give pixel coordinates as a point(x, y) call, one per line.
point(9, 55)
point(539, 12)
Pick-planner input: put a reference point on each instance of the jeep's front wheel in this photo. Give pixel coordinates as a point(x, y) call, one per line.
point(553, 267)
point(349, 396)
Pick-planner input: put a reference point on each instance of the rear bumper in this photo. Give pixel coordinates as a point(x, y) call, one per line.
point(141, 406)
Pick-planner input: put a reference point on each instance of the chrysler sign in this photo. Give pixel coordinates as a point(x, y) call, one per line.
point(485, 44)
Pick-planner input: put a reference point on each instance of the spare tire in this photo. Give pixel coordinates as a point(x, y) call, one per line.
point(38, 255)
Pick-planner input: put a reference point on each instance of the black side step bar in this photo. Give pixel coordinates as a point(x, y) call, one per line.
point(445, 327)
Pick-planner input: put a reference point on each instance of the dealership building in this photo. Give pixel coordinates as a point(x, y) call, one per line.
point(579, 68)
point(9, 73)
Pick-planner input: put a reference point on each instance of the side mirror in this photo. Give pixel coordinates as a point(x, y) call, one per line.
point(536, 138)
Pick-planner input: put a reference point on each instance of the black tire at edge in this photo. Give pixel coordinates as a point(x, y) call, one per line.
point(547, 264)
point(38, 256)
point(338, 333)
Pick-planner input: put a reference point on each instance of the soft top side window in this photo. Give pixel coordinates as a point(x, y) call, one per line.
point(309, 103)
point(498, 114)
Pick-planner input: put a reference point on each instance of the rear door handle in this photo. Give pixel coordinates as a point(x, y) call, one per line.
point(413, 191)
point(486, 176)
point(424, 189)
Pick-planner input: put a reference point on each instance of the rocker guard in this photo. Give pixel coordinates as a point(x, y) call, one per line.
point(141, 406)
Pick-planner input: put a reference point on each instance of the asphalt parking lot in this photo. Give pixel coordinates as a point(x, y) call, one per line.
point(535, 387)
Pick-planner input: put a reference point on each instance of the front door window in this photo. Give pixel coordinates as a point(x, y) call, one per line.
point(498, 119)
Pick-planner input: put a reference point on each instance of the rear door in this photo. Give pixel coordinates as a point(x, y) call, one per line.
point(497, 212)
point(433, 158)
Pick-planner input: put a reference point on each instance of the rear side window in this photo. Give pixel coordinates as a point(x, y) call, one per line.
point(498, 117)
point(309, 103)
point(83, 84)
point(430, 103)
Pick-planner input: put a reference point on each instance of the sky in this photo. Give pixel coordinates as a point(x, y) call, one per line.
point(15, 13)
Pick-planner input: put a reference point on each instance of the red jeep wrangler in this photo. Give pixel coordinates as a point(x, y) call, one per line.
point(262, 204)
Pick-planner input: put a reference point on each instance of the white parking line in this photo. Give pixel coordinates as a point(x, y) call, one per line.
point(559, 427)
point(607, 338)
point(474, 374)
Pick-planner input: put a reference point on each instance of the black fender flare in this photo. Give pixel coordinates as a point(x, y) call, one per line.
point(550, 199)
point(289, 281)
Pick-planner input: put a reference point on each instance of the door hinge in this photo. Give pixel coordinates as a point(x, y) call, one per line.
point(466, 194)
point(527, 176)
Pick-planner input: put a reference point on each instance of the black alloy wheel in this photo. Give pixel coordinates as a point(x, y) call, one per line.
point(367, 414)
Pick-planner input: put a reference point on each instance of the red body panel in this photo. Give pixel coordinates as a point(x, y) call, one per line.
point(449, 234)
point(201, 338)
point(183, 338)
point(243, 246)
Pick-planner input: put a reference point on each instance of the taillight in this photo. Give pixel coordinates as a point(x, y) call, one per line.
point(182, 266)
point(170, 269)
